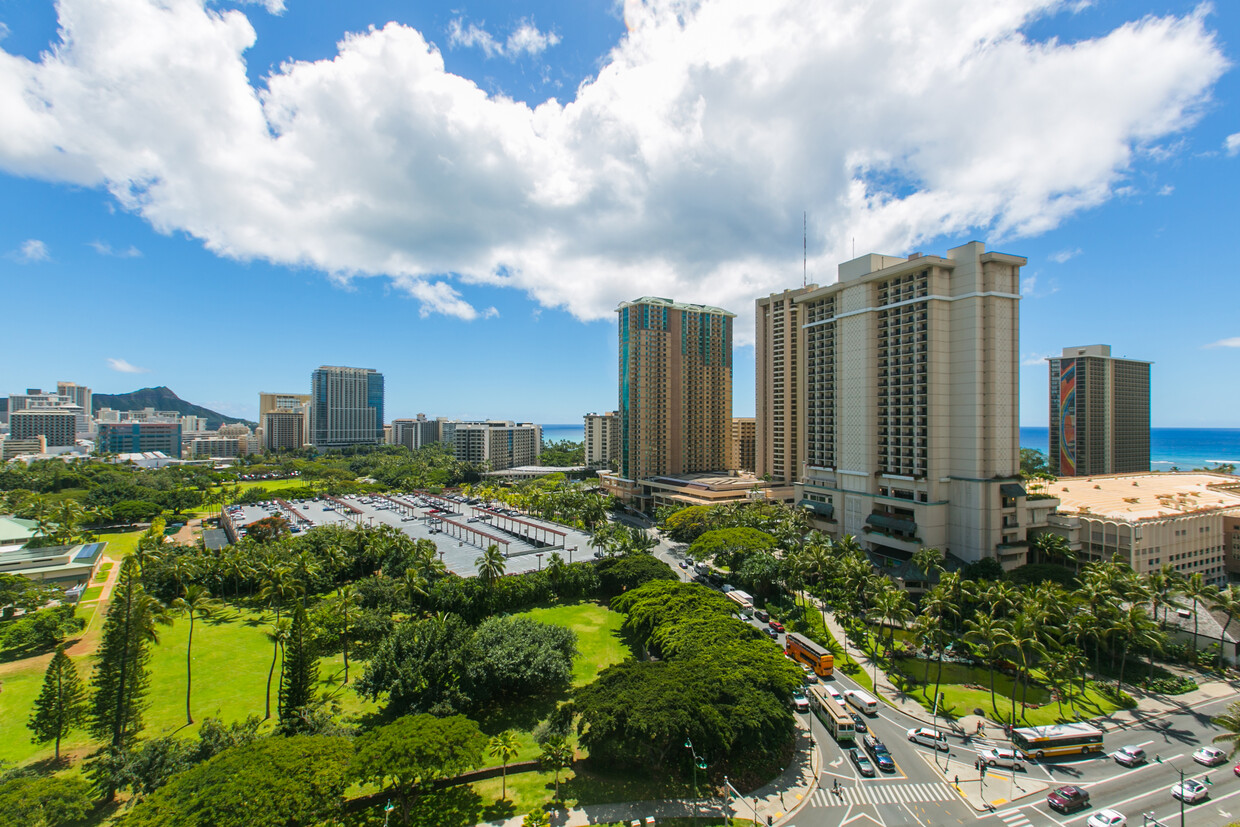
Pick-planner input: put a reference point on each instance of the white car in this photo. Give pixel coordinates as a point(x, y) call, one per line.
point(1129, 756)
point(1000, 757)
point(1107, 818)
point(1190, 790)
point(1210, 756)
point(927, 737)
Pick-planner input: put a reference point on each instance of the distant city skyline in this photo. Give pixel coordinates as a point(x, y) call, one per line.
point(508, 173)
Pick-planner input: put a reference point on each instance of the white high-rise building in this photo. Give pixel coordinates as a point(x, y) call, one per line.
point(498, 444)
point(908, 402)
point(602, 439)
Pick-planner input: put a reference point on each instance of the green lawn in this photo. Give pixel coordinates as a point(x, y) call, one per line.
point(121, 543)
point(598, 636)
point(91, 594)
point(599, 645)
point(231, 659)
point(101, 575)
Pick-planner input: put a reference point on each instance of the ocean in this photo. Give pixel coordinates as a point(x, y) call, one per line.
point(555, 433)
point(1183, 448)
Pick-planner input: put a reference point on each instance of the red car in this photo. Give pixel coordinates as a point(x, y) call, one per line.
point(1236, 769)
point(776, 625)
point(1067, 799)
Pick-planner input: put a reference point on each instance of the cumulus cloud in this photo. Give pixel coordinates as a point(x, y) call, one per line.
point(1234, 341)
point(1030, 290)
point(1036, 359)
point(526, 39)
point(125, 367)
point(680, 169)
point(1232, 144)
point(105, 249)
point(32, 250)
point(272, 6)
point(1064, 255)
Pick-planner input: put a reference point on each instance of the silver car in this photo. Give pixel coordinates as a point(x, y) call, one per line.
point(1129, 756)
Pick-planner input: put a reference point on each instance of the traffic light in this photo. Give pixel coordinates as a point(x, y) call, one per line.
point(982, 766)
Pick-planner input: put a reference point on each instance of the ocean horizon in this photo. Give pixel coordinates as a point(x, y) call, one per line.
point(1183, 448)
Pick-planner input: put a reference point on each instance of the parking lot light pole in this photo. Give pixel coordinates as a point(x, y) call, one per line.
point(698, 764)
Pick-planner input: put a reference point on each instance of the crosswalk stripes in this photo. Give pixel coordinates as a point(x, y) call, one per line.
point(883, 794)
point(1014, 818)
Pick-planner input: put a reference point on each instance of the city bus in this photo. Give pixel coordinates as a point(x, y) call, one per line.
point(1057, 739)
point(743, 602)
point(804, 650)
point(833, 716)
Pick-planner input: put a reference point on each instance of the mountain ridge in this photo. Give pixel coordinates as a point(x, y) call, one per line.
point(162, 398)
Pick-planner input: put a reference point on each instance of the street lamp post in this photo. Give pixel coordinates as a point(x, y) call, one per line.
point(1158, 759)
point(698, 764)
point(539, 556)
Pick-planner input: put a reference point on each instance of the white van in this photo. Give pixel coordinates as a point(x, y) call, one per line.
point(862, 701)
point(835, 694)
point(927, 737)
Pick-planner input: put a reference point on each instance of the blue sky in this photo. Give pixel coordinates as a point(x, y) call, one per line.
point(221, 197)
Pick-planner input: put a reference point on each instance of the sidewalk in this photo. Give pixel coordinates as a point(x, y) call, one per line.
point(774, 803)
point(1149, 705)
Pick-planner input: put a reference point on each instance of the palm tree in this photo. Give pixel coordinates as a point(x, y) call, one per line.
point(1054, 547)
point(414, 587)
point(1163, 585)
point(277, 634)
point(194, 601)
point(928, 561)
point(556, 568)
point(1198, 591)
point(504, 746)
point(985, 632)
point(279, 587)
point(491, 565)
point(347, 597)
point(1021, 635)
point(1227, 601)
point(1230, 721)
point(557, 754)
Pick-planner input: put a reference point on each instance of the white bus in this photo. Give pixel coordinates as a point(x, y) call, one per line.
point(1057, 739)
point(833, 716)
point(743, 602)
point(863, 701)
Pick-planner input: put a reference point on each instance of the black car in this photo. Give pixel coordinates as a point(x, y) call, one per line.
point(858, 722)
point(862, 763)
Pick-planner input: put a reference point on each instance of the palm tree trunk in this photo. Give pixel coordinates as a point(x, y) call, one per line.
point(189, 646)
point(275, 651)
point(1122, 661)
point(993, 707)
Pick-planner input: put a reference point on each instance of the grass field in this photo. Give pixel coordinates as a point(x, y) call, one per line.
point(91, 594)
point(120, 543)
point(101, 575)
point(231, 659)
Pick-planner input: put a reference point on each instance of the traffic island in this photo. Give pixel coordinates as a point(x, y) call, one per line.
point(988, 790)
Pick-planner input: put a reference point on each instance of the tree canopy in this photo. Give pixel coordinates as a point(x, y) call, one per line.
point(731, 546)
point(272, 782)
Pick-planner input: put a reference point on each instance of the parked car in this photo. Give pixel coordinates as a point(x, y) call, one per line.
point(762, 614)
point(774, 635)
point(1209, 756)
point(776, 625)
point(1067, 799)
point(1000, 757)
point(927, 737)
point(862, 763)
point(1129, 756)
point(1107, 818)
point(1190, 791)
point(858, 722)
point(799, 701)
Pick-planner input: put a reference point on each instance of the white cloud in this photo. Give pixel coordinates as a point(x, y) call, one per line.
point(1234, 341)
point(1166, 189)
point(31, 251)
point(124, 367)
point(1064, 255)
point(526, 39)
point(4, 31)
point(1232, 144)
point(1036, 359)
point(105, 249)
point(679, 170)
point(272, 6)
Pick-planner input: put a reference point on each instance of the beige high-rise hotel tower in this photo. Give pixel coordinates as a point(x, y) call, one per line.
point(907, 392)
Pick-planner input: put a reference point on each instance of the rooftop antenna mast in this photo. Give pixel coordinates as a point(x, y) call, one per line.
point(804, 247)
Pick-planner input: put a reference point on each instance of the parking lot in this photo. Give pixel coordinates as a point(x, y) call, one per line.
point(461, 529)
